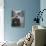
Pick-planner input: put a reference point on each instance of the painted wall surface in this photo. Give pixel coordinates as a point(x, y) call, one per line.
point(43, 6)
point(30, 7)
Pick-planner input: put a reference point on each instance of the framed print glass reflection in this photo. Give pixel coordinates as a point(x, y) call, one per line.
point(17, 18)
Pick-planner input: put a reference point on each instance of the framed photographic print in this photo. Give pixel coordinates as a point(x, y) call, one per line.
point(17, 18)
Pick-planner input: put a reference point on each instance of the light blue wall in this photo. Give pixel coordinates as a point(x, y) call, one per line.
point(43, 6)
point(30, 7)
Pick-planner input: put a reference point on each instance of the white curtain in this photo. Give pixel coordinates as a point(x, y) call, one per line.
point(1, 20)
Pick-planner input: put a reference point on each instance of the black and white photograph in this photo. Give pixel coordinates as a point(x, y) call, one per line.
point(17, 18)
